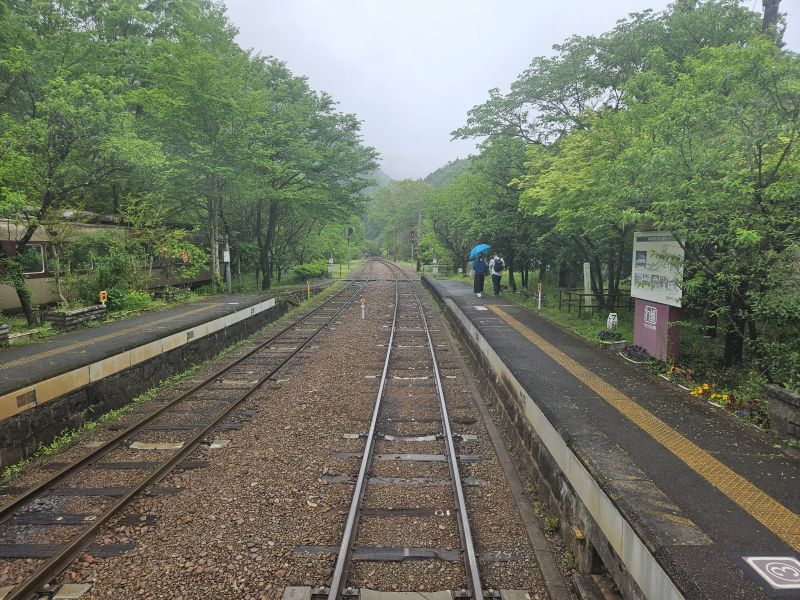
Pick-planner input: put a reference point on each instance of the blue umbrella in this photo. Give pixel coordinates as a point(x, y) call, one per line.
point(479, 249)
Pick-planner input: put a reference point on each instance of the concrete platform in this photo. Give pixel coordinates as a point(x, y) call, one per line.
point(23, 368)
point(59, 383)
point(673, 495)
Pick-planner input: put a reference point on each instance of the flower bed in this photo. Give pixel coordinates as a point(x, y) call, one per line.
point(611, 340)
point(753, 411)
point(635, 354)
point(684, 378)
point(609, 336)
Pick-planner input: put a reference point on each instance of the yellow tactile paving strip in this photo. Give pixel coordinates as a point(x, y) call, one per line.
point(769, 512)
point(92, 341)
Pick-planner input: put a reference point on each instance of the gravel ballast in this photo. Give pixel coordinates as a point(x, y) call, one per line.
point(235, 527)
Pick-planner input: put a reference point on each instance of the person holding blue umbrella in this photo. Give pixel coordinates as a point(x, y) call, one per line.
point(478, 267)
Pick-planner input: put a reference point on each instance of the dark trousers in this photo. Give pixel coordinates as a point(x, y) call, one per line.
point(477, 286)
point(496, 284)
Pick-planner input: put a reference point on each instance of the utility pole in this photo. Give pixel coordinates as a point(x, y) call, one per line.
point(349, 235)
point(419, 237)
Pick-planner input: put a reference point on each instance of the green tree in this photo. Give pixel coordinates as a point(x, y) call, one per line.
point(452, 211)
point(189, 101)
point(304, 161)
point(552, 96)
point(590, 198)
point(718, 152)
point(501, 162)
point(81, 135)
point(153, 109)
point(395, 211)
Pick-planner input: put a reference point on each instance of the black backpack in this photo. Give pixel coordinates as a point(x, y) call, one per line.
point(499, 265)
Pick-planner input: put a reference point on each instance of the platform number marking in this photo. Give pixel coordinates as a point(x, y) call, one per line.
point(780, 572)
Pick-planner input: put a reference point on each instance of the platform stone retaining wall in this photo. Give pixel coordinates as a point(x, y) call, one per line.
point(66, 319)
point(22, 434)
point(784, 412)
point(594, 553)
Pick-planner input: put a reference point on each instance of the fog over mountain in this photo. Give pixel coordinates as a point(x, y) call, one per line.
point(411, 70)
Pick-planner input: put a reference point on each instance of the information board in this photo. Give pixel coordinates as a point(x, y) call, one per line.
point(657, 270)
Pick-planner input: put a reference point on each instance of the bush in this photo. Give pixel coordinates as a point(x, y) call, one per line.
point(123, 299)
point(114, 271)
point(205, 290)
point(781, 357)
point(317, 268)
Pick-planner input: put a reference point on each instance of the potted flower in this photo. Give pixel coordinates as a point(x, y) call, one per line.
point(611, 340)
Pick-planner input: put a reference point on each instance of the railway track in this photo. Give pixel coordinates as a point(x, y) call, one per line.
point(410, 395)
point(176, 429)
point(267, 511)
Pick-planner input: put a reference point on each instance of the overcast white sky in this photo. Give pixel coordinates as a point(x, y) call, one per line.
point(411, 69)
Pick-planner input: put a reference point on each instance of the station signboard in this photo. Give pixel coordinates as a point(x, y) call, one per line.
point(657, 270)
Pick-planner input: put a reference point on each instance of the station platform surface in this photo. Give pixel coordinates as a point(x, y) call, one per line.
point(31, 363)
point(703, 489)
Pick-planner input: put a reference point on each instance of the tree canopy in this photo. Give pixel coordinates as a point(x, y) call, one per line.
point(684, 120)
point(104, 103)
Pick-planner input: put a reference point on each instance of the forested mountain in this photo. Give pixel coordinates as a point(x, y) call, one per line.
point(397, 217)
point(379, 178)
point(444, 174)
point(152, 111)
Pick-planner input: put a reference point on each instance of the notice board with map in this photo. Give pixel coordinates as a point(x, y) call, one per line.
point(657, 267)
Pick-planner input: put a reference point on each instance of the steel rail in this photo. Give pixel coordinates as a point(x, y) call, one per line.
point(470, 557)
point(338, 581)
point(471, 568)
point(465, 531)
point(69, 551)
point(7, 510)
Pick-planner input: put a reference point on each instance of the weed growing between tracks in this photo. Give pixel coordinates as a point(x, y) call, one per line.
point(551, 524)
point(569, 561)
point(67, 437)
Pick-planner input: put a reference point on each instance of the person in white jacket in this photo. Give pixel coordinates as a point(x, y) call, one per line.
point(496, 266)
